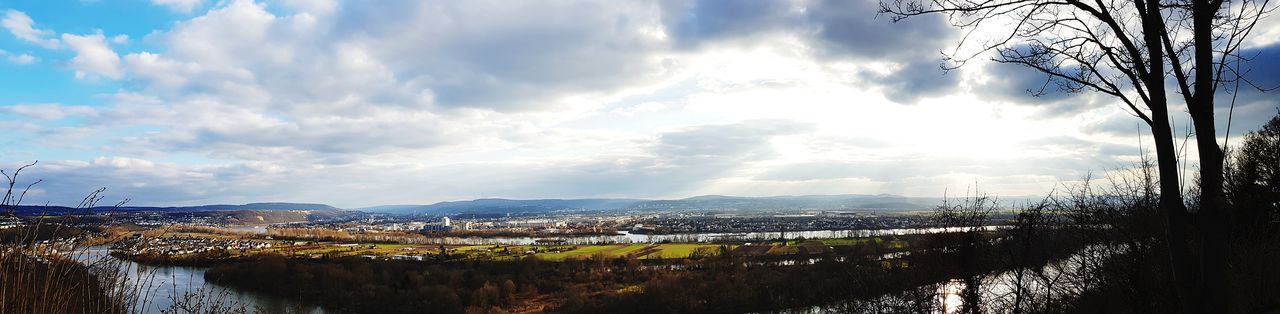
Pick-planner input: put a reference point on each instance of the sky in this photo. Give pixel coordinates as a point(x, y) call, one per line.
point(184, 102)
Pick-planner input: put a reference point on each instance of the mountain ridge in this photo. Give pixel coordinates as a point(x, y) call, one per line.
point(885, 202)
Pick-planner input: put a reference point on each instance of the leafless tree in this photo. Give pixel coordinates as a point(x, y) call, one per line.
point(1128, 50)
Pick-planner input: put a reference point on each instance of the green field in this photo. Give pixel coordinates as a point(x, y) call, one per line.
point(586, 251)
point(680, 250)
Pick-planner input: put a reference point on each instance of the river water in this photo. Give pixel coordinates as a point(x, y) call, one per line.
point(999, 291)
point(160, 287)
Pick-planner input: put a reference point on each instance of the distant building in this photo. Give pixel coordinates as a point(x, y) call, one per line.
point(445, 225)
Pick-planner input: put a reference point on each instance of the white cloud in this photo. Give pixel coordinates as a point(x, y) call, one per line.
point(93, 56)
point(22, 27)
point(314, 7)
point(48, 111)
point(20, 59)
point(402, 102)
point(23, 59)
point(183, 6)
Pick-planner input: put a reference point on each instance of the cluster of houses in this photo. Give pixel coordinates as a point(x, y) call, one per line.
point(183, 245)
point(7, 222)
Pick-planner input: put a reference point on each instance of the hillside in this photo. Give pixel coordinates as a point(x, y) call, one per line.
point(882, 202)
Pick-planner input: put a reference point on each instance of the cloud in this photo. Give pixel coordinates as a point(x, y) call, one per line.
point(853, 29)
point(1260, 71)
point(669, 164)
point(23, 27)
point(673, 163)
point(741, 141)
point(913, 80)
point(406, 102)
point(1265, 33)
point(146, 182)
point(484, 54)
point(19, 59)
point(474, 54)
point(247, 135)
point(903, 58)
point(182, 6)
point(23, 59)
point(692, 23)
point(48, 111)
point(1021, 84)
point(93, 56)
point(315, 7)
point(1118, 124)
point(244, 81)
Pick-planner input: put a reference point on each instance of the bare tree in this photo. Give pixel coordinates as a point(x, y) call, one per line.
point(1200, 65)
point(1128, 50)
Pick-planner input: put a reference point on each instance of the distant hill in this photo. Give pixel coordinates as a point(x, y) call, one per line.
point(884, 202)
point(261, 217)
point(28, 210)
point(499, 206)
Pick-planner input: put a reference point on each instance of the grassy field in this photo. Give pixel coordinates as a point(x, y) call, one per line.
point(680, 250)
point(587, 251)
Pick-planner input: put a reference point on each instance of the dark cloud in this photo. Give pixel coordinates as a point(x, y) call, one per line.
point(840, 29)
point(693, 22)
point(1026, 86)
point(1258, 99)
point(915, 80)
point(1261, 70)
point(853, 29)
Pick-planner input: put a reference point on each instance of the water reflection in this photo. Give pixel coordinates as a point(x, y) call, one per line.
point(949, 296)
point(159, 288)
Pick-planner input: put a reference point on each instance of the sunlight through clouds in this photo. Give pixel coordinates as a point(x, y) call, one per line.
point(413, 102)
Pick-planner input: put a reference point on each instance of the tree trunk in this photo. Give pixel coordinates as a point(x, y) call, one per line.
point(1177, 219)
point(1212, 214)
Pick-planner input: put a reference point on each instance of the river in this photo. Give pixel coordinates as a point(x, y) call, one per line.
point(999, 291)
point(160, 287)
